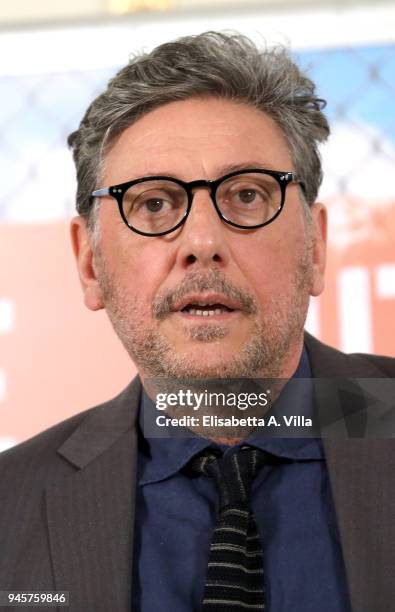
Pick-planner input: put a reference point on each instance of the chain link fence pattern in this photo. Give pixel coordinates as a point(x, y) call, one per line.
point(39, 111)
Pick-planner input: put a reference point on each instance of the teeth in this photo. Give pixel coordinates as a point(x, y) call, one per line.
point(205, 313)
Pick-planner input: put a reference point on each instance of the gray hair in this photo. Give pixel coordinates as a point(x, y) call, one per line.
point(222, 65)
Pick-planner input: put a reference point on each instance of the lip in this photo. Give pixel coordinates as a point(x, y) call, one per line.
point(206, 299)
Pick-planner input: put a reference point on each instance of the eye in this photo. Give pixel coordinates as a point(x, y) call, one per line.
point(154, 205)
point(150, 202)
point(247, 196)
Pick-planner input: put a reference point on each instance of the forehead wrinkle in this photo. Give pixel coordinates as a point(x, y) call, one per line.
point(219, 170)
point(147, 137)
point(222, 170)
point(150, 147)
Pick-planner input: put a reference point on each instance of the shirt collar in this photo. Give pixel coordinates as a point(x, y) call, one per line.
point(296, 399)
point(160, 458)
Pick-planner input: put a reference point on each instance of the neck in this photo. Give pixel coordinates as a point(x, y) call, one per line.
point(217, 433)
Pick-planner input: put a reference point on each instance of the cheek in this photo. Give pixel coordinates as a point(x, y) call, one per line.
point(136, 265)
point(138, 270)
point(268, 263)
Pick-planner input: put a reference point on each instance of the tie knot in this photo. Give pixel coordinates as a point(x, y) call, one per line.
point(233, 472)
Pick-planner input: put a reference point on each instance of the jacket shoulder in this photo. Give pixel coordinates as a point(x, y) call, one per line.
point(38, 457)
point(383, 363)
point(39, 450)
point(328, 361)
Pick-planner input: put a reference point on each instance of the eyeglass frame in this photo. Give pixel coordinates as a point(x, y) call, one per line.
point(284, 178)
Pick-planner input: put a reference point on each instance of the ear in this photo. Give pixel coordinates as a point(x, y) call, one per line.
point(83, 253)
point(319, 229)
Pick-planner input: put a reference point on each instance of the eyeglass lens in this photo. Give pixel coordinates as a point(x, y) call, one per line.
point(156, 206)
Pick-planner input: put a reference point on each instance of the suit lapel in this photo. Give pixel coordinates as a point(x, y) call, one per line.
point(361, 473)
point(91, 511)
point(362, 480)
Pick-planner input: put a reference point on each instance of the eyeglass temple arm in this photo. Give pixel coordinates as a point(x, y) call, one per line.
point(296, 179)
point(100, 192)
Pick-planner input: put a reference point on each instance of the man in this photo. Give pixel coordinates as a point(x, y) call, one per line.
point(199, 233)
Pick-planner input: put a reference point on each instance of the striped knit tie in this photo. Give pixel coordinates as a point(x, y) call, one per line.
point(235, 569)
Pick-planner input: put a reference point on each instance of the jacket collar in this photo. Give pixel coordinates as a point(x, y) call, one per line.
point(361, 473)
point(90, 511)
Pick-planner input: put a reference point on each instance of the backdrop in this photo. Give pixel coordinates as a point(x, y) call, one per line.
point(56, 358)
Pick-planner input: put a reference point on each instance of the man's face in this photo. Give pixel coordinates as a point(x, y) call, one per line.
point(263, 277)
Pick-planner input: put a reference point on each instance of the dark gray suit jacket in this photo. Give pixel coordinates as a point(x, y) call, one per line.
point(67, 501)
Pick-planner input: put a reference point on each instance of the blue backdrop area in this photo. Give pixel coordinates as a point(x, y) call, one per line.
point(39, 111)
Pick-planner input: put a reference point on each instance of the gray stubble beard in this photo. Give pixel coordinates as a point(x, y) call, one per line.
point(264, 355)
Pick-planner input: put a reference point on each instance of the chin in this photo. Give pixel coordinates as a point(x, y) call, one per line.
point(208, 365)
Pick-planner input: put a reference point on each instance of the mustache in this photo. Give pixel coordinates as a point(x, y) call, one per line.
point(199, 281)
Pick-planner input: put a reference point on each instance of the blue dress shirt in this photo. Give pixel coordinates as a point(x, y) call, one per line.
point(292, 501)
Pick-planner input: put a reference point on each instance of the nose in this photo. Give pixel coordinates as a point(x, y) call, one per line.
point(202, 240)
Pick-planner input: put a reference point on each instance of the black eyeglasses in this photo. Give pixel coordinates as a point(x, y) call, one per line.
point(158, 205)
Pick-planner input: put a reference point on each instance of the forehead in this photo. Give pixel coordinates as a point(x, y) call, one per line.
point(197, 138)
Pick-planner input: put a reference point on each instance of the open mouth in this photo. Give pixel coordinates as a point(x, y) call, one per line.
point(206, 310)
point(211, 306)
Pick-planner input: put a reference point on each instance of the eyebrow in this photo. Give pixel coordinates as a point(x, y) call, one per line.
point(228, 168)
point(223, 170)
